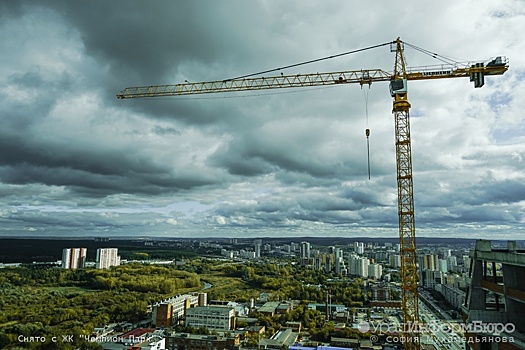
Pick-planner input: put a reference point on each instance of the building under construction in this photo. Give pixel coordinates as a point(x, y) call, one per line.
point(495, 299)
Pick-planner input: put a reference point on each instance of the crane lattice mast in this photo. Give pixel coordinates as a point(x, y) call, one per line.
point(405, 198)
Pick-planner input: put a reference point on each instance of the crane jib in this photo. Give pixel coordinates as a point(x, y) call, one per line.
point(476, 72)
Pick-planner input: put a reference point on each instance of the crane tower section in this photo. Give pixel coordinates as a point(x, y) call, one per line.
point(405, 199)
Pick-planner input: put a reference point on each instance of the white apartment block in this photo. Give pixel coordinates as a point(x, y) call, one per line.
point(362, 267)
point(375, 271)
point(359, 248)
point(107, 257)
point(305, 250)
point(394, 260)
point(340, 266)
point(358, 266)
point(443, 265)
point(246, 254)
point(452, 263)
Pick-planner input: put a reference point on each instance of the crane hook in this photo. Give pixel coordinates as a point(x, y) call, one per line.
point(367, 133)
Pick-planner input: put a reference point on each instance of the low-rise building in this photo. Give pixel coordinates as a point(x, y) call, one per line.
point(154, 343)
point(294, 326)
point(211, 317)
point(284, 338)
point(169, 311)
point(137, 336)
point(343, 317)
point(184, 341)
point(322, 307)
point(345, 342)
point(256, 329)
point(269, 308)
point(283, 308)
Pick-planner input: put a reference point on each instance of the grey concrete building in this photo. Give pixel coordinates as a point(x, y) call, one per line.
point(495, 297)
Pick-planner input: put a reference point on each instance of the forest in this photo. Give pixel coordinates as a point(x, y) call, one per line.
point(51, 302)
point(42, 301)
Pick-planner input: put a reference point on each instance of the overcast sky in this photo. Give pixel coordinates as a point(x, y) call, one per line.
point(76, 161)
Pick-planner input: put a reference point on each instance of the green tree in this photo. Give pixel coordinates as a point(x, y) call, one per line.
point(4, 340)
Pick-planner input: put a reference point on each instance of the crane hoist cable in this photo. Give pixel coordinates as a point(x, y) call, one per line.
point(367, 130)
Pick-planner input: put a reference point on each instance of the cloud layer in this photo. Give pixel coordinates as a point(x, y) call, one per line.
point(74, 160)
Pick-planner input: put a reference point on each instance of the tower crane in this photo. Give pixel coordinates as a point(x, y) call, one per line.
point(398, 90)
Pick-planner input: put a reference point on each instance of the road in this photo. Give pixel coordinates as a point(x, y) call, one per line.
point(443, 337)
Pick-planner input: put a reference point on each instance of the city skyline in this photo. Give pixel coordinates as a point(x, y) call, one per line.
point(77, 162)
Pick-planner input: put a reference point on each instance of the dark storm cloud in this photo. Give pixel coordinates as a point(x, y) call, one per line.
point(40, 93)
point(94, 170)
point(137, 54)
point(144, 42)
point(55, 131)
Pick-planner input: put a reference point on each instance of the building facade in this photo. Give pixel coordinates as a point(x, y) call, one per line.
point(74, 258)
point(211, 317)
point(184, 341)
point(496, 295)
point(172, 310)
point(358, 266)
point(375, 271)
point(107, 257)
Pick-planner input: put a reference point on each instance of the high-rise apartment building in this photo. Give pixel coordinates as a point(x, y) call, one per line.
point(375, 271)
point(74, 258)
point(429, 262)
point(305, 250)
point(358, 266)
point(442, 265)
point(452, 263)
point(307, 258)
point(107, 257)
point(340, 266)
point(394, 260)
point(362, 267)
point(257, 248)
point(359, 248)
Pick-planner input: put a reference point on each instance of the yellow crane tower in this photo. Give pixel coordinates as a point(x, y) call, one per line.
point(398, 90)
